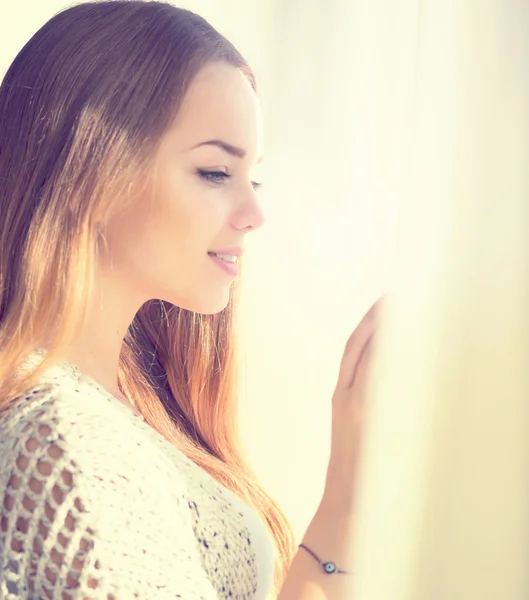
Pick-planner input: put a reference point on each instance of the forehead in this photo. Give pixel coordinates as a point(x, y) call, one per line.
point(221, 103)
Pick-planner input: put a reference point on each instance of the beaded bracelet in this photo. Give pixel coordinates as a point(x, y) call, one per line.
point(328, 567)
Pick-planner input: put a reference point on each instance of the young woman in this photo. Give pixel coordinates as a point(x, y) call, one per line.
point(129, 135)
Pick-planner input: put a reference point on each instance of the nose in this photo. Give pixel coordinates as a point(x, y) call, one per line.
point(249, 215)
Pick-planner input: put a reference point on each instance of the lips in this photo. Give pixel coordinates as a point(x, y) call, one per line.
point(233, 251)
point(227, 266)
point(222, 257)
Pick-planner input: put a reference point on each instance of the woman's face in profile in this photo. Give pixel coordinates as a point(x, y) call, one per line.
point(159, 247)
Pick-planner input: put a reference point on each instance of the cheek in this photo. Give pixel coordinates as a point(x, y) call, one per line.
point(170, 228)
point(188, 212)
point(178, 221)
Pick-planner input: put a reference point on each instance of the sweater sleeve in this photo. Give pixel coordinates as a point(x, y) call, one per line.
point(54, 532)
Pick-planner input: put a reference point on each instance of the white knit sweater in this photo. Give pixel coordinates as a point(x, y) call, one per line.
point(96, 504)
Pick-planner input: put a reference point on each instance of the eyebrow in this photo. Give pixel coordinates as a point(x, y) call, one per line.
point(229, 148)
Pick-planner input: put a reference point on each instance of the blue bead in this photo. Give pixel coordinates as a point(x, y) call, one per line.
point(329, 567)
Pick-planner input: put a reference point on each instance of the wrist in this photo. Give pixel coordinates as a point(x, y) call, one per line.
point(329, 536)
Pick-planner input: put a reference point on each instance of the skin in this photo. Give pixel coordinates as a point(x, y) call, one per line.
point(159, 247)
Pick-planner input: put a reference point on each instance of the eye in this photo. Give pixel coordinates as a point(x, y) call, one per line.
point(212, 177)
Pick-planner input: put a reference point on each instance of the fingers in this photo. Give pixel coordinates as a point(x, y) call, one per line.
point(357, 343)
point(362, 368)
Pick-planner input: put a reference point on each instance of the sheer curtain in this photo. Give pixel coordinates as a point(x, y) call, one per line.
point(396, 139)
point(445, 494)
point(396, 145)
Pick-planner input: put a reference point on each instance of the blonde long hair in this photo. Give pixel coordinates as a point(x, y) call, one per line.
point(82, 109)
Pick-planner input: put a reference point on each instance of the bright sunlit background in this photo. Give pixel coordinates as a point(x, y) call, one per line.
point(396, 147)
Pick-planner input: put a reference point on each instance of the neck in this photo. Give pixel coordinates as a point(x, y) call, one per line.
point(97, 349)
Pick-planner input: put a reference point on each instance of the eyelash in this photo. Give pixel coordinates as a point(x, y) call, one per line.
point(206, 174)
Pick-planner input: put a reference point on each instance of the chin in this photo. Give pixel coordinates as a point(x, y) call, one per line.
point(211, 305)
point(212, 308)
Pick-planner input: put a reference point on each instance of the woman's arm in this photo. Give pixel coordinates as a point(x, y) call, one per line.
point(329, 534)
point(329, 537)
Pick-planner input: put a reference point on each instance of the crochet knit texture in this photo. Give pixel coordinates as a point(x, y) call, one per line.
point(98, 505)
